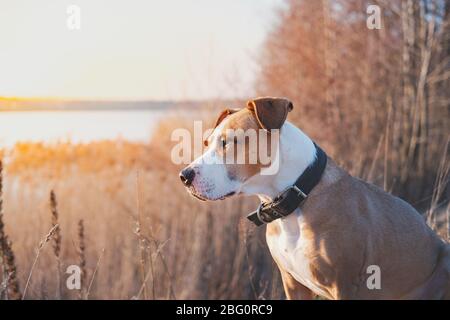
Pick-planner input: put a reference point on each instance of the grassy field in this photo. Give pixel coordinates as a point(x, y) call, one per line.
point(142, 235)
point(122, 215)
point(376, 100)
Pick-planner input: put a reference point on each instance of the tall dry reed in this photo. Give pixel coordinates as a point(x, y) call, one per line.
point(10, 282)
point(57, 240)
point(82, 258)
point(50, 235)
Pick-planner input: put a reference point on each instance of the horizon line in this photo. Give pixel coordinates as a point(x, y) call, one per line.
point(104, 99)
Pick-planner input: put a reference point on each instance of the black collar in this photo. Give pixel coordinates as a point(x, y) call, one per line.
point(289, 200)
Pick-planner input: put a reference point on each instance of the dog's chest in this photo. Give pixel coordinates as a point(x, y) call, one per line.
point(292, 250)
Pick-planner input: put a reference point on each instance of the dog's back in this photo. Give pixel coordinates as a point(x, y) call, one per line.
point(360, 225)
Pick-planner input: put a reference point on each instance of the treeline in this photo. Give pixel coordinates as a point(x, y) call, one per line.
point(377, 99)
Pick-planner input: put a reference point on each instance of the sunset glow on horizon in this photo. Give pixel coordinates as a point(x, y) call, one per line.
point(159, 50)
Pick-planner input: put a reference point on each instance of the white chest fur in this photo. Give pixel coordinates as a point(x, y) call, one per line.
point(288, 248)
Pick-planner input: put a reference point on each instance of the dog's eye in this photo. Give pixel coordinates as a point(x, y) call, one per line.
point(205, 143)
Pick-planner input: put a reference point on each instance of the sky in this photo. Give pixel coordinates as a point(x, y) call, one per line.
point(135, 49)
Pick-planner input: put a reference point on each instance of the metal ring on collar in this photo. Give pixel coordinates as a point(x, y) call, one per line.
point(258, 213)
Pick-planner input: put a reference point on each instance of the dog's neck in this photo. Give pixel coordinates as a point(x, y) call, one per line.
point(296, 153)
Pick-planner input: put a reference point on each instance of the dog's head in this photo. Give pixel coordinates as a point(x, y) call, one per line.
point(234, 151)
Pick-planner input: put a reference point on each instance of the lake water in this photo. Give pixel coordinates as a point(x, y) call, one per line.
point(77, 126)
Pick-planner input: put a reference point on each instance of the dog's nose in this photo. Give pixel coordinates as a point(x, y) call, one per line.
point(187, 176)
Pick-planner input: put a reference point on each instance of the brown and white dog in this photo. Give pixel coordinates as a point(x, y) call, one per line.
point(327, 245)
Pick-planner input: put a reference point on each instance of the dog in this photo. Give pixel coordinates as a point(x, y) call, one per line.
point(331, 239)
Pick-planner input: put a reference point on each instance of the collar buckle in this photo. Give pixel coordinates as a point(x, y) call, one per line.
point(258, 213)
point(267, 210)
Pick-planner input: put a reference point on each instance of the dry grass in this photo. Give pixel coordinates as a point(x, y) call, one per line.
point(132, 228)
point(82, 258)
point(158, 241)
point(10, 286)
point(56, 239)
point(51, 234)
point(378, 102)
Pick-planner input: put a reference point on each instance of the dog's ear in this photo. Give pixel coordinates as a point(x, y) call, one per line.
point(270, 112)
point(225, 113)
